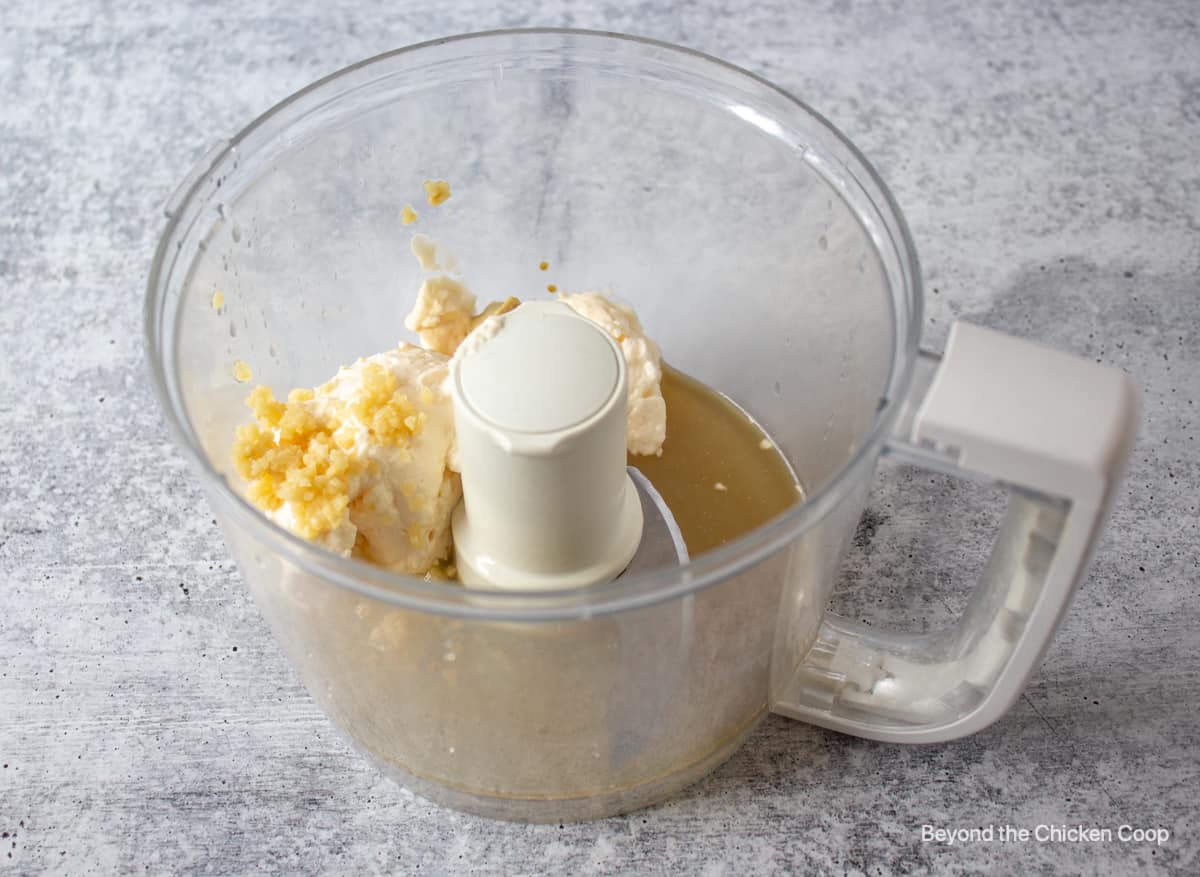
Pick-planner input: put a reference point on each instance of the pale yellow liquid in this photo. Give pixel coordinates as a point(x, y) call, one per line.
point(711, 441)
point(552, 720)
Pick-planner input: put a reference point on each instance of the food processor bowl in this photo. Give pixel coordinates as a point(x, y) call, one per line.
point(758, 248)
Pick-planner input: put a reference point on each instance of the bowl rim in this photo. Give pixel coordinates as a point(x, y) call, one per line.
point(636, 591)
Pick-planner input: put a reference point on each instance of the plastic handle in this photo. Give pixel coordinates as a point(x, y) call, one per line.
point(1057, 430)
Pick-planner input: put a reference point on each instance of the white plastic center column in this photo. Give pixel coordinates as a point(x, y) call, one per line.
point(540, 415)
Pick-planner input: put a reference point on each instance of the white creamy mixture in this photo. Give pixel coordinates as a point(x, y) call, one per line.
point(365, 464)
point(647, 410)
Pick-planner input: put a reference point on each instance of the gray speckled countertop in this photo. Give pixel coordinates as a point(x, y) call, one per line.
point(1046, 157)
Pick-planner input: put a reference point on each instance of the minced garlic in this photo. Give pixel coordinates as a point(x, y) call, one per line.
point(359, 461)
point(290, 455)
point(437, 192)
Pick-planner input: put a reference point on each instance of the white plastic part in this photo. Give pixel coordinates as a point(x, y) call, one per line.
point(540, 414)
point(1058, 431)
point(1024, 414)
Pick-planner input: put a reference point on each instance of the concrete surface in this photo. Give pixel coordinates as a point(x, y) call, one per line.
point(1046, 157)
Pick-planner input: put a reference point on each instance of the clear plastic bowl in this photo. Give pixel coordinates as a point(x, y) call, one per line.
point(759, 249)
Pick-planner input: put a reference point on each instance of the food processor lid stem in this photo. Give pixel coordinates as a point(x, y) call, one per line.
point(540, 409)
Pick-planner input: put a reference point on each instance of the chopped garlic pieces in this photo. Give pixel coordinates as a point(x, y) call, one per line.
point(437, 192)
